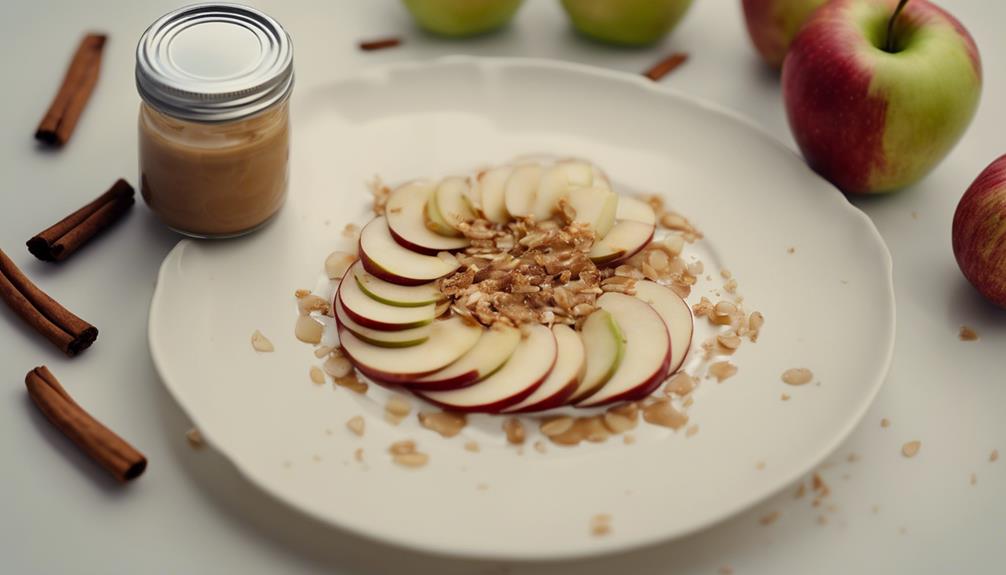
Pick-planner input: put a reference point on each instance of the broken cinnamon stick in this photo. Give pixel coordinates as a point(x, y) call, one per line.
point(379, 44)
point(68, 332)
point(61, 118)
point(67, 236)
point(666, 66)
point(109, 450)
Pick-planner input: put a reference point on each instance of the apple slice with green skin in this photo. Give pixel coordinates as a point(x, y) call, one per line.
point(521, 189)
point(382, 338)
point(384, 258)
point(647, 351)
point(491, 186)
point(604, 346)
point(449, 339)
point(556, 183)
point(634, 210)
point(677, 318)
point(393, 294)
point(407, 221)
point(371, 313)
point(495, 346)
point(452, 203)
point(519, 377)
point(596, 207)
point(624, 240)
point(565, 376)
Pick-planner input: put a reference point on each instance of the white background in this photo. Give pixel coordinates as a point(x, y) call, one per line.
point(192, 513)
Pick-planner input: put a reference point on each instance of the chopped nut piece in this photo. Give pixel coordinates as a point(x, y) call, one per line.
point(317, 375)
point(261, 343)
point(730, 286)
point(195, 439)
point(337, 263)
point(398, 407)
point(725, 274)
point(681, 384)
point(556, 425)
point(674, 244)
point(618, 423)
point(755, 323)
point(600, 524)
point(661, 412)
point(728, 341)
point(337, 366)
point(911, 448)
point(351, 383)
point(312, 303)
point(704, 307)
point(770, 518)
point(797, 376)
point(309, 330)
point(968, 334)
point(402, 447)
point(413, 460)
point(472, 446)
point(356, 425)
point(658, 260)
point(784, 397)
point(722, 370)
point(514, 430)
point(446, 423)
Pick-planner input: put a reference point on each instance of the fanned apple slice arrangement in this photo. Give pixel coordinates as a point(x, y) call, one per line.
point(506, 291)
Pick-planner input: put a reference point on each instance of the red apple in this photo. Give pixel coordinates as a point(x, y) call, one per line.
point(877, 96)
point(979, 233)
point(772, 25)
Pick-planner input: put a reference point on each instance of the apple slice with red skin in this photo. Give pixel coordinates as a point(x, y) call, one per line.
point(369, 312)
point(394, 294)
point(385, 258)
point(565, 376)
point(624, 240)
point(407, 221)
point(382, 338)
point(449, 340)
point(491, 186)
point(521, 189)
point(494, 348)
point(647, 351)
point(677, 316)
point(634, 210)
point(604, 346)
point(519, 377)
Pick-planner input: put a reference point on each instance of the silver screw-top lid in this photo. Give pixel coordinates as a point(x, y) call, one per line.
point(214, 63)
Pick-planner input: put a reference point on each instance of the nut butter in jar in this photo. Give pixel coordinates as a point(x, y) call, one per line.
point(214, 125)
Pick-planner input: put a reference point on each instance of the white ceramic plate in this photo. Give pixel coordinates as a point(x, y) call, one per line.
point(829, 307)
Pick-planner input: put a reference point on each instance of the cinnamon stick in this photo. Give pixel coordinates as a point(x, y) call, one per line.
point(61, 118)
point(666, 66)
point(109, 450)
point(67, 236)
point(68, 332)
point(379, 44)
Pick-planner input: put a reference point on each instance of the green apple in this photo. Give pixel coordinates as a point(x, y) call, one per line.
point(626, 22)
point(459, 18)
point(879, 91)
point(772, 25)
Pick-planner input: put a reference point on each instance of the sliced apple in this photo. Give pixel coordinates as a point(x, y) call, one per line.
point(491, 185)
point(596, 207)
point(519, 377)
point(393, 294)
point(604, 346)
point(521, 189)
point(452, 207)
point(624, 240)
point(493, 349)
point(383, 257)
point(556, 182)
point(369, 312)
point(382, 338)
point(647, 351)
point(565, 376)
point(634, 210)
point(677, 318)
point(600, 179)
point(449, 339)
point(407, 221)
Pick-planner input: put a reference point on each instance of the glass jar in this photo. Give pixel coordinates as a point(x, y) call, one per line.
point(214, 124)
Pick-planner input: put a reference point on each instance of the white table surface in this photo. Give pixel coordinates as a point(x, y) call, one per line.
point(192, 513)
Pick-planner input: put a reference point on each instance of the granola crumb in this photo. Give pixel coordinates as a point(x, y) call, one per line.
point(680, 384)
point(769, 518)
point(261, 343)
point(351, 383)
point(911, 448)
point(600, 524)
point(553, 426)
point(885, 422)
point(195, 439)
point(628, 439)
point(722, 370)
point(967, 334)
point(412, 460)
point(539, 446)
point(337, 366)
point(784, 397)
point(661, 412)
point(446, 423)
point(797, 376)
point(358, 454)
point(692, 430)
point(356, 425)
point(397, 409)
point(317, 375)
point(514, 431)
point(994, 456)
point(472, 446)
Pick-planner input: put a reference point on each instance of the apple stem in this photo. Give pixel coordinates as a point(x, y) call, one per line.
point(891, 23)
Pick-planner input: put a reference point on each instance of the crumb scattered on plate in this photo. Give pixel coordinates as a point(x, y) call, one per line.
point(797, 376)
point(356, 425)
point(600, 524)
point(195, 438)
point(722, 370)
point(993, 456)
point(769, 519)
point(885, 422)
point(261, 343)
point(317, 375)
point(967, 334)
point(911, 448)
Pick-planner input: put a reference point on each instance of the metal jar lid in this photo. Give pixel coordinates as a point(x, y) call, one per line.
point(214, 63)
